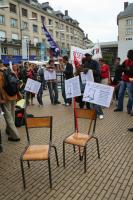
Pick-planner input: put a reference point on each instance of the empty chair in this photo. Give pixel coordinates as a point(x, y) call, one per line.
point(81, 139)
point(38, 152)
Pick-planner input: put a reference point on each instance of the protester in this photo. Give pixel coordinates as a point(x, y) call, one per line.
point(94, 66)
point(68, 73)
point(40, 78)
point(52, 84)
point(104, 72)
point(8, 107)
point(117, 78)
point(127, 69)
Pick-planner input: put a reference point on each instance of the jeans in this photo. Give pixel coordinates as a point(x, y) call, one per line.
point(39, 95)
point(64, 95)
point(123, 86)
point(53, 91)
point(98, 109)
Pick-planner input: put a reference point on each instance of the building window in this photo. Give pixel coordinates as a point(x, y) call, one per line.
point(67, 28)
point(13, 23)
point(24, 25)
point(35, 28)
point(129, 31)
point(34, 15)
point(13, 8)
point(35, 41)
point(42, 19)
point(2, 19)
point(129, 22)
point(62, 36)
point(14, 36)
point(24, 12)
point(128, 38)
point(4, 50)
point(62, 26)
point(57, 34)
point(51, 32)
point(56, 24)
point(50, 22)
point(2, 34)
point(15, 51)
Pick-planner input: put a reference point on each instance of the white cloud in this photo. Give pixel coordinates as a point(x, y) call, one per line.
point(97, 18)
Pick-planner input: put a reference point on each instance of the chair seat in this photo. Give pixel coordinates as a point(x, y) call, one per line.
point(36, 152)
point(78, 139)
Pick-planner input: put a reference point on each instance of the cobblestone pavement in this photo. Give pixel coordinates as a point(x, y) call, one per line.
point(108, 178)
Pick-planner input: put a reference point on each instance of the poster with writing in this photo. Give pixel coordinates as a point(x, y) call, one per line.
point(98, 94)
point(87, 77)
point(72, 87)
point(49, 75)
point(32, 86)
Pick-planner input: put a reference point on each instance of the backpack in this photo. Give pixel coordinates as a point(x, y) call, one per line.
point(11, 82)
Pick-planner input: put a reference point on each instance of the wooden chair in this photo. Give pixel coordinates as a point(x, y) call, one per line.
point(80, 139)
point(38, 152)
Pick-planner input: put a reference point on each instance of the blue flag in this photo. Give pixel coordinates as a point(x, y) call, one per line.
point(53, 45)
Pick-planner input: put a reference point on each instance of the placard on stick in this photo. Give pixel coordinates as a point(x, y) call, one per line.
point(32, 86)
point(72, 87)
point(98, 94)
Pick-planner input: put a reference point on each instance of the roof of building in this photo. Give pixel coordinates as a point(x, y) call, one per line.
point(128, 12)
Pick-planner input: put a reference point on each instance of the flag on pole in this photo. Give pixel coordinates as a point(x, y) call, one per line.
point(53, 45)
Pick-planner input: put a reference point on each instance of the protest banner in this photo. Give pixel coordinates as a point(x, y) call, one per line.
point(32, 86)
point(77, 54)
point(98, 94)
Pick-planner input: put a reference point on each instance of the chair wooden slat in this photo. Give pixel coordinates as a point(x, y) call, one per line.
point(38, 122)
point(86, 113)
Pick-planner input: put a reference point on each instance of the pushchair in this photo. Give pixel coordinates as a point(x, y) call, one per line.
point(19, 113)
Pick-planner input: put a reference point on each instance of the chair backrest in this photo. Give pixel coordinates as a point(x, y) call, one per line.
point(86, 114)
point(38, 122)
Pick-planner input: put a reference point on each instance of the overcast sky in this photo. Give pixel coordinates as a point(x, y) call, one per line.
point(98, 18)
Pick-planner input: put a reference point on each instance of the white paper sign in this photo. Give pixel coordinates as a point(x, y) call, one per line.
point(32, 86)
point(87, 77)
point(98, 94)
point(72, 87)
point(49, 75)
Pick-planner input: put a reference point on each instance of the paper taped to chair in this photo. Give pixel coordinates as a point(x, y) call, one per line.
point(72, 87)
point(32, 86)
point(87, 77)
point(98, 94)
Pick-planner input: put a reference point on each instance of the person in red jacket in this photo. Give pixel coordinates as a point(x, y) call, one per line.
point(105, 72)
point(126, 83)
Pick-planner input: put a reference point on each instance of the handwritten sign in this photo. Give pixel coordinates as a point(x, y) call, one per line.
point(32, 86)
point(49, 75)
point(98, 94)
point(87, 77)
point(72, 87)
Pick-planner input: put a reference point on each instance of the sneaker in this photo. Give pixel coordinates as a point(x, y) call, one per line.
point(67, 104)
point(101, 116)
point(13, 139)
point(130, 129)
point(57, 102)
point(118, 110)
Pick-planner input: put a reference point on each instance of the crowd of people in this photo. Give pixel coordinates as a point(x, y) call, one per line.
point(122, 81)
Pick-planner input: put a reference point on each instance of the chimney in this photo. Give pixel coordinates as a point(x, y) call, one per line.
point(66, 12)
point(45, 4)
point(125, 5)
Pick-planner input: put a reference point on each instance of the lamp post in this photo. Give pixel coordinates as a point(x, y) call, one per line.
point(2, 7)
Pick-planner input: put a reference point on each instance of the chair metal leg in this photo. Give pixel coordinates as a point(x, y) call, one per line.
point(56, 155)
point(64, 154)
point(74, 148)
point(85, 159)
point(23, 176)
point(49, 168)
point(97, 147)
point(28, 164)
